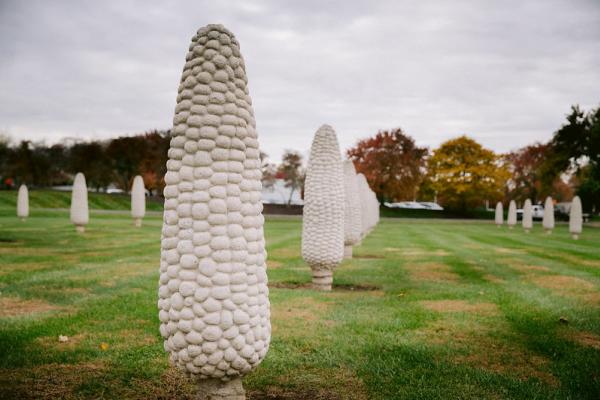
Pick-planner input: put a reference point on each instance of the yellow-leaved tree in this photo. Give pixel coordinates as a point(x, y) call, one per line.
point(464, 174)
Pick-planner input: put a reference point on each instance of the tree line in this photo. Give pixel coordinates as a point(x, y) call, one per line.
point(104, 163)
point(460, 174)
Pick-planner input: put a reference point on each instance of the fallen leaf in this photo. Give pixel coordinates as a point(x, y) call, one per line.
point(103, 346)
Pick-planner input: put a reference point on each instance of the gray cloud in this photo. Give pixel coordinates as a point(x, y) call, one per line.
point(503, 72)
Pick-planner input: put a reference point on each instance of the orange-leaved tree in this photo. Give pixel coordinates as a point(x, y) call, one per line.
point(392, 163)
point(464, 174)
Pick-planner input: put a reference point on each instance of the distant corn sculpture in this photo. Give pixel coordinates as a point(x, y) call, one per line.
point(23, 203)
point(213, 295)
point(499, 217)
point(548, 221)
point(138, 200)
point(323, 211)
point(575, 218)
point(365, 201)
point(511, 220)
point(352, 217)
point(527, 216)
point(80, 214)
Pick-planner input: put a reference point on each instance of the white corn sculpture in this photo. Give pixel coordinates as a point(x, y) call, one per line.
point(365, 201)
point(138, 200)
point(548, 221)
point(323, 214)
point(575, 218)
point(527, 216)
point(511, 220)
point(352, 221)
point(79, 203)
point(499, 215)
point(23, 203)
point(213, 296)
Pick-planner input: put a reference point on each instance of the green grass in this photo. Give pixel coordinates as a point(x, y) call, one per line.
point(57, 199)
point(453, 310)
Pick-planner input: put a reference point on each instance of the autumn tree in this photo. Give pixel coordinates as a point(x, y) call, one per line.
point(268, 170)
point(575, 149)
point(392, 163)
point(153, 163)
point(464, 174)
point(126, 154)
point(291, 172)
point(525, 165)
point(90, 158)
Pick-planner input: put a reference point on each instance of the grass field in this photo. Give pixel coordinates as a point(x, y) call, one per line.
point(427, 309)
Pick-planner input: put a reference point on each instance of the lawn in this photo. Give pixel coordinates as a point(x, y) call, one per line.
point(427, 309)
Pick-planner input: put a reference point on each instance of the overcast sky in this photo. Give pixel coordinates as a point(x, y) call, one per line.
point(503, 72)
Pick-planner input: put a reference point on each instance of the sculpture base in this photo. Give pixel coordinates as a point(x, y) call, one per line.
point(575, 236)
point(322, 279)
point(347, 251)
point(80, 228)
point(137, 222)
point(216, 389)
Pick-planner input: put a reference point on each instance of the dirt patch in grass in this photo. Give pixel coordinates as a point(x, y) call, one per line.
point(337, 287)
point(416, 252)
point(432, 271)
point(507, 359)
point(51, 381)
point(368, 256)
point(28, 266)
point(295, 312)
point(506, 250)
point(285, 252)
point(583, 338)
point(136, 337)
point(493, 278)
point(27, 251)
point(52, 342)
point(274, 264)
point(569, 286)
point(314, 384)
point(528, 268)
point(14, 306)
point(477, 344)
point(460, 306)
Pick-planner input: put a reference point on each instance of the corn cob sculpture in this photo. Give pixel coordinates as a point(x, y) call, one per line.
point(352, 221)
point(548, 221)
point(23, 203)
point(511, 220)
point(499, 217)
point(80, 214)
point(575, 218)
point(213, 295)
point(323, 213)
point(527, 216)
point(138, 200)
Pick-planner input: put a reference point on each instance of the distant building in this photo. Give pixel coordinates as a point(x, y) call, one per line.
point(279, 194)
